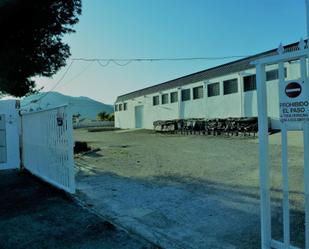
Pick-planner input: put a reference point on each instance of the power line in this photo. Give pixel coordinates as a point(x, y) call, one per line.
point(124, 62)
point(80, 73)
point(101, 64)
point(130, 60)
point(107, 62)
point(58, 82)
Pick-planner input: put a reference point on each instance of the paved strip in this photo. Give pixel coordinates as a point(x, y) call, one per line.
point(35, 215)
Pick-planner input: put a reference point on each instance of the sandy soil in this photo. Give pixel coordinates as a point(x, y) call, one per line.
point(209, 171)
point(35, 215)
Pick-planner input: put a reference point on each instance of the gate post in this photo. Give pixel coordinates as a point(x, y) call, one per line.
point(263, 148)
point(306, 141)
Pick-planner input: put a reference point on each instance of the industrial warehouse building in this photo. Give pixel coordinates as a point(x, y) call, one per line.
point(228, 90)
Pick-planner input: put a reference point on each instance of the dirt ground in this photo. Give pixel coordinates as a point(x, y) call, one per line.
point(189, 191)
point(35, 215)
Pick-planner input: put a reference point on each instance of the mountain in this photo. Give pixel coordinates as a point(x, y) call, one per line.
point(86, 107)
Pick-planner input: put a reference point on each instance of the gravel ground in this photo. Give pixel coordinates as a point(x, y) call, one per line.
point(188, 191)
point(35, 215)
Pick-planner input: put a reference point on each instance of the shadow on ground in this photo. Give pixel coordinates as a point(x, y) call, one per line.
point(247, 196)
point(179, 212)
point(35, 215)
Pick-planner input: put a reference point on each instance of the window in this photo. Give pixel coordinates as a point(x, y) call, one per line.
point(185, 95)
point(125, 106)
point(174, 97)
point(164, 99)
point(155, 100)
point(213, 89)
point(274, 74)
point(198, 92)
point(250, 83)
point(230, 86)
point(116, 108)
point(120, 107)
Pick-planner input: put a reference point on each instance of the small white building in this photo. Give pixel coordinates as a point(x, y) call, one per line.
point(228, 90)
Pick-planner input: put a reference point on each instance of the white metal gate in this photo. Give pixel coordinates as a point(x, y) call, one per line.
point(47, 142)
point(294, 115)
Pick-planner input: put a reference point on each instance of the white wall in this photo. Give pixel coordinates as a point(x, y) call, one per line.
point(12, 125)
point(240, 104)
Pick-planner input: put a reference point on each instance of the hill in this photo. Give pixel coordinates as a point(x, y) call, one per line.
point(86, 107)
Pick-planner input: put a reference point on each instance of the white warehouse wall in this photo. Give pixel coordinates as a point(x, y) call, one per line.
point(240, 104)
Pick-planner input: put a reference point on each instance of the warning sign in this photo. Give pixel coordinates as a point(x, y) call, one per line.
point(294, 102)
point(293, 89)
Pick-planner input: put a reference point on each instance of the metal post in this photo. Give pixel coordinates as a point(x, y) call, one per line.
point(304, 78)
point(263, 148)
point(307, 15)
point(285, 185)
point(285, 174)
point(306, 177)
point(306, 137)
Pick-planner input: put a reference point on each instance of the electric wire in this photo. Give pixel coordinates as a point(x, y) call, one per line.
point(122, 65)
point(130, 60)
point(79, 74)
point(106, 62)
point(101, 64)
point(58, 82)
point(63, 76)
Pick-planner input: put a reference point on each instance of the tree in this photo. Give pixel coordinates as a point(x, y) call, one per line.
point(102, 116)
point(31, 41)
point(111, 117)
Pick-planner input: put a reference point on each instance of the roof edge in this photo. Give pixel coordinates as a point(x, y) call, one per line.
point(209, 69)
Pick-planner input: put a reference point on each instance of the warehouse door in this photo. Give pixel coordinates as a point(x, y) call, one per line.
point(3, 149)
point(139, 116)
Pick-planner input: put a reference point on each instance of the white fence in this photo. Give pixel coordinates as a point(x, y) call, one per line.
point(47, 138)
point(93, 123)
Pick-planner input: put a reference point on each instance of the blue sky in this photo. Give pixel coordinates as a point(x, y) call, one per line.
point(169, 29)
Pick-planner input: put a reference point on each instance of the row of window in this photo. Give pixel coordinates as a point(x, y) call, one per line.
point(213, 89)
point(250, 81)
point(121, 107)
point(173, 96)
